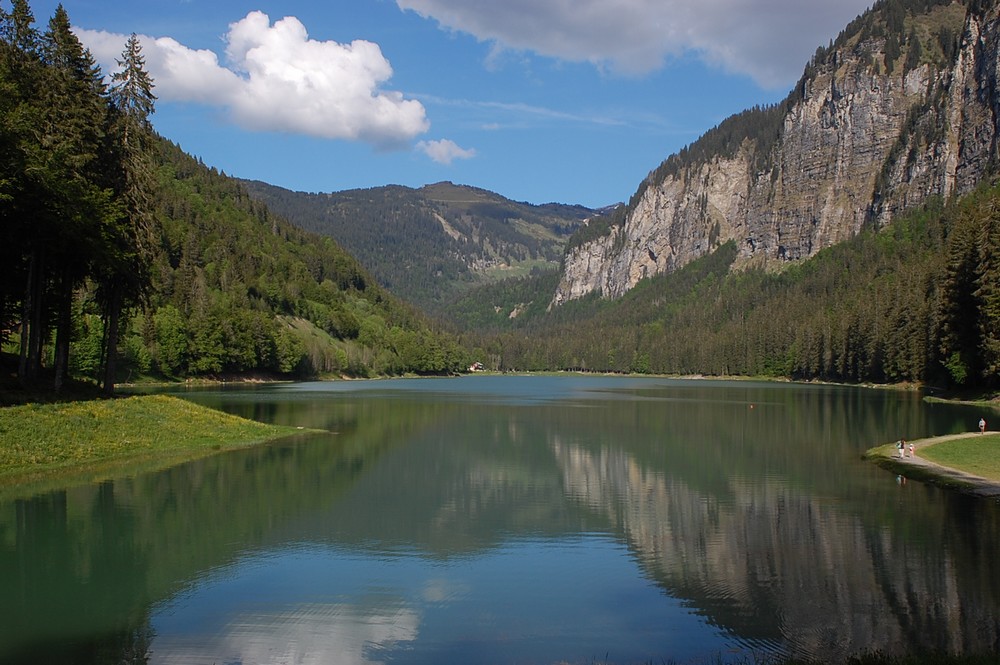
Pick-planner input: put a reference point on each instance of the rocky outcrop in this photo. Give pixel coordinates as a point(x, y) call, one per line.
point(859, 140)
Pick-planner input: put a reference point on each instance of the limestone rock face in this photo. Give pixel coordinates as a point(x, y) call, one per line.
point(857, 145)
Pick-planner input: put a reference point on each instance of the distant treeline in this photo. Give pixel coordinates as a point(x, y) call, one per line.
point(916, 301)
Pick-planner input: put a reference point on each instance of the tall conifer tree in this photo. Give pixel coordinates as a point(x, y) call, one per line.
point(71, 136)
point(125, 279)
point(21, 48)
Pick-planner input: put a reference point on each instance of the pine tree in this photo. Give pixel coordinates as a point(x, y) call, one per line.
point(22, 66)
point(71, 137)
point(19, 32)
point(10, 257)
point(125, 276)
point(988, 293)
point(960, 306)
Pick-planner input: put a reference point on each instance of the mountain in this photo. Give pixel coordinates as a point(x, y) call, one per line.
point(847, 234)
point(125, 257)
point(429, 245)
point(901, 107)
point(237, 289)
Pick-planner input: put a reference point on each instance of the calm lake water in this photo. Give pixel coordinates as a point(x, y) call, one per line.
point(515, 520)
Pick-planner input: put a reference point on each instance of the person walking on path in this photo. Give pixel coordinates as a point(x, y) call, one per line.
point(982, 425)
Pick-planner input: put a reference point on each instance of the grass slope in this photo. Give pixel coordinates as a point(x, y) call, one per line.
point(93, 440)
point(978, 455)
point(969, 462)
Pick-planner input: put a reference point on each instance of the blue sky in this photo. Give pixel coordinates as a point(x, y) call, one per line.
point(573, 101)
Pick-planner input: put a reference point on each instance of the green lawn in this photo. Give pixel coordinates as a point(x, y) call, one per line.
point(978, 455)
point(101, 435)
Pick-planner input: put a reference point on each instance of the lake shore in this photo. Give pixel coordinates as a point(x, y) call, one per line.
point(89, 441)
point(918, 467)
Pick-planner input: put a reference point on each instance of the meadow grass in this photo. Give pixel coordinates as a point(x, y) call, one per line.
point(978, 455)
point(965, 462)
point(100, 436)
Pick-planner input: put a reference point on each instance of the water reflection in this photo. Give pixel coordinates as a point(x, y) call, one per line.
point(543, 519)
point(784, 567)
point(279, 607)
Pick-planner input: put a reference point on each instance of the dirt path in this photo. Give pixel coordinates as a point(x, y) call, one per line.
point(953, 478)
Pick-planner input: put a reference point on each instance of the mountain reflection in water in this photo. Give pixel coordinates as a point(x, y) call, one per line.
point(514, 519)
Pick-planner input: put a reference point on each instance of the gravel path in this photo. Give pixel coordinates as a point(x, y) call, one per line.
point(968, 483)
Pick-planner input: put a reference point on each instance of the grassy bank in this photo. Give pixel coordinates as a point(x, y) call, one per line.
point(95, 439)
point(977, 455)
point(967, 462)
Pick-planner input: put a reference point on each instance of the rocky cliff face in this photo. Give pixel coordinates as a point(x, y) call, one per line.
point(863, 136)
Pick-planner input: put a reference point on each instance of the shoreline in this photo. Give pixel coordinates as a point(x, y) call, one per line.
point(64, 444)
point(923, 470)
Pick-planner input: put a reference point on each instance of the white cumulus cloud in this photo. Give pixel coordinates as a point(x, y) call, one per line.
point(768, 40)
point(278, 79)
point(445, 151)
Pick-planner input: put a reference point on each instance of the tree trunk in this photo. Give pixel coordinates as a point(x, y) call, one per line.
point(36, 327)
point(64, 331)
point(111, 339)
point(22, 363)
point(30, 361)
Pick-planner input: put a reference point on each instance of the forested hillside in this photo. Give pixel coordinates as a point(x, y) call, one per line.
point(253, 292)
point(430, 245)
point(124, 257)
point(846, 234)
point(918, 301)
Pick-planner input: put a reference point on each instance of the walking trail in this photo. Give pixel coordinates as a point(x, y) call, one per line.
point(960, 480)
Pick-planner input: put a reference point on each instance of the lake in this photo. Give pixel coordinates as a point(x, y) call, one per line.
point(515, 519)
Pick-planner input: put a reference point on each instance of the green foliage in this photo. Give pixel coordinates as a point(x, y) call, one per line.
point(53, 205)
point(958, 368)
point(170, 344)
point(48, 437)
point(430, 245)
point(114, 238)
point(86, 349)
point(289, 351)
point(252, 293)
point(500, 305)
point(907, 303)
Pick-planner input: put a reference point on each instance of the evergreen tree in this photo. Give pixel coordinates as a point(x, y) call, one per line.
point(19, 31)
point(70, 142)
point(25, 179)
point(124, 277)
point(960, 306)
point(988, 292)
point(10, 257)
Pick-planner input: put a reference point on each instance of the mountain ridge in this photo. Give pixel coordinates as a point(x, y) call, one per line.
point(901, 107)
point(430, 244)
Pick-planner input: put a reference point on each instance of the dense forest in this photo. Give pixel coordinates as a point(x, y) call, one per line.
point(125, 257)
point(917, 301)
point(430, 245)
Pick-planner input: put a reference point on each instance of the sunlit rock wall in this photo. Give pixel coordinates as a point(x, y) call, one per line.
point(859, 146)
